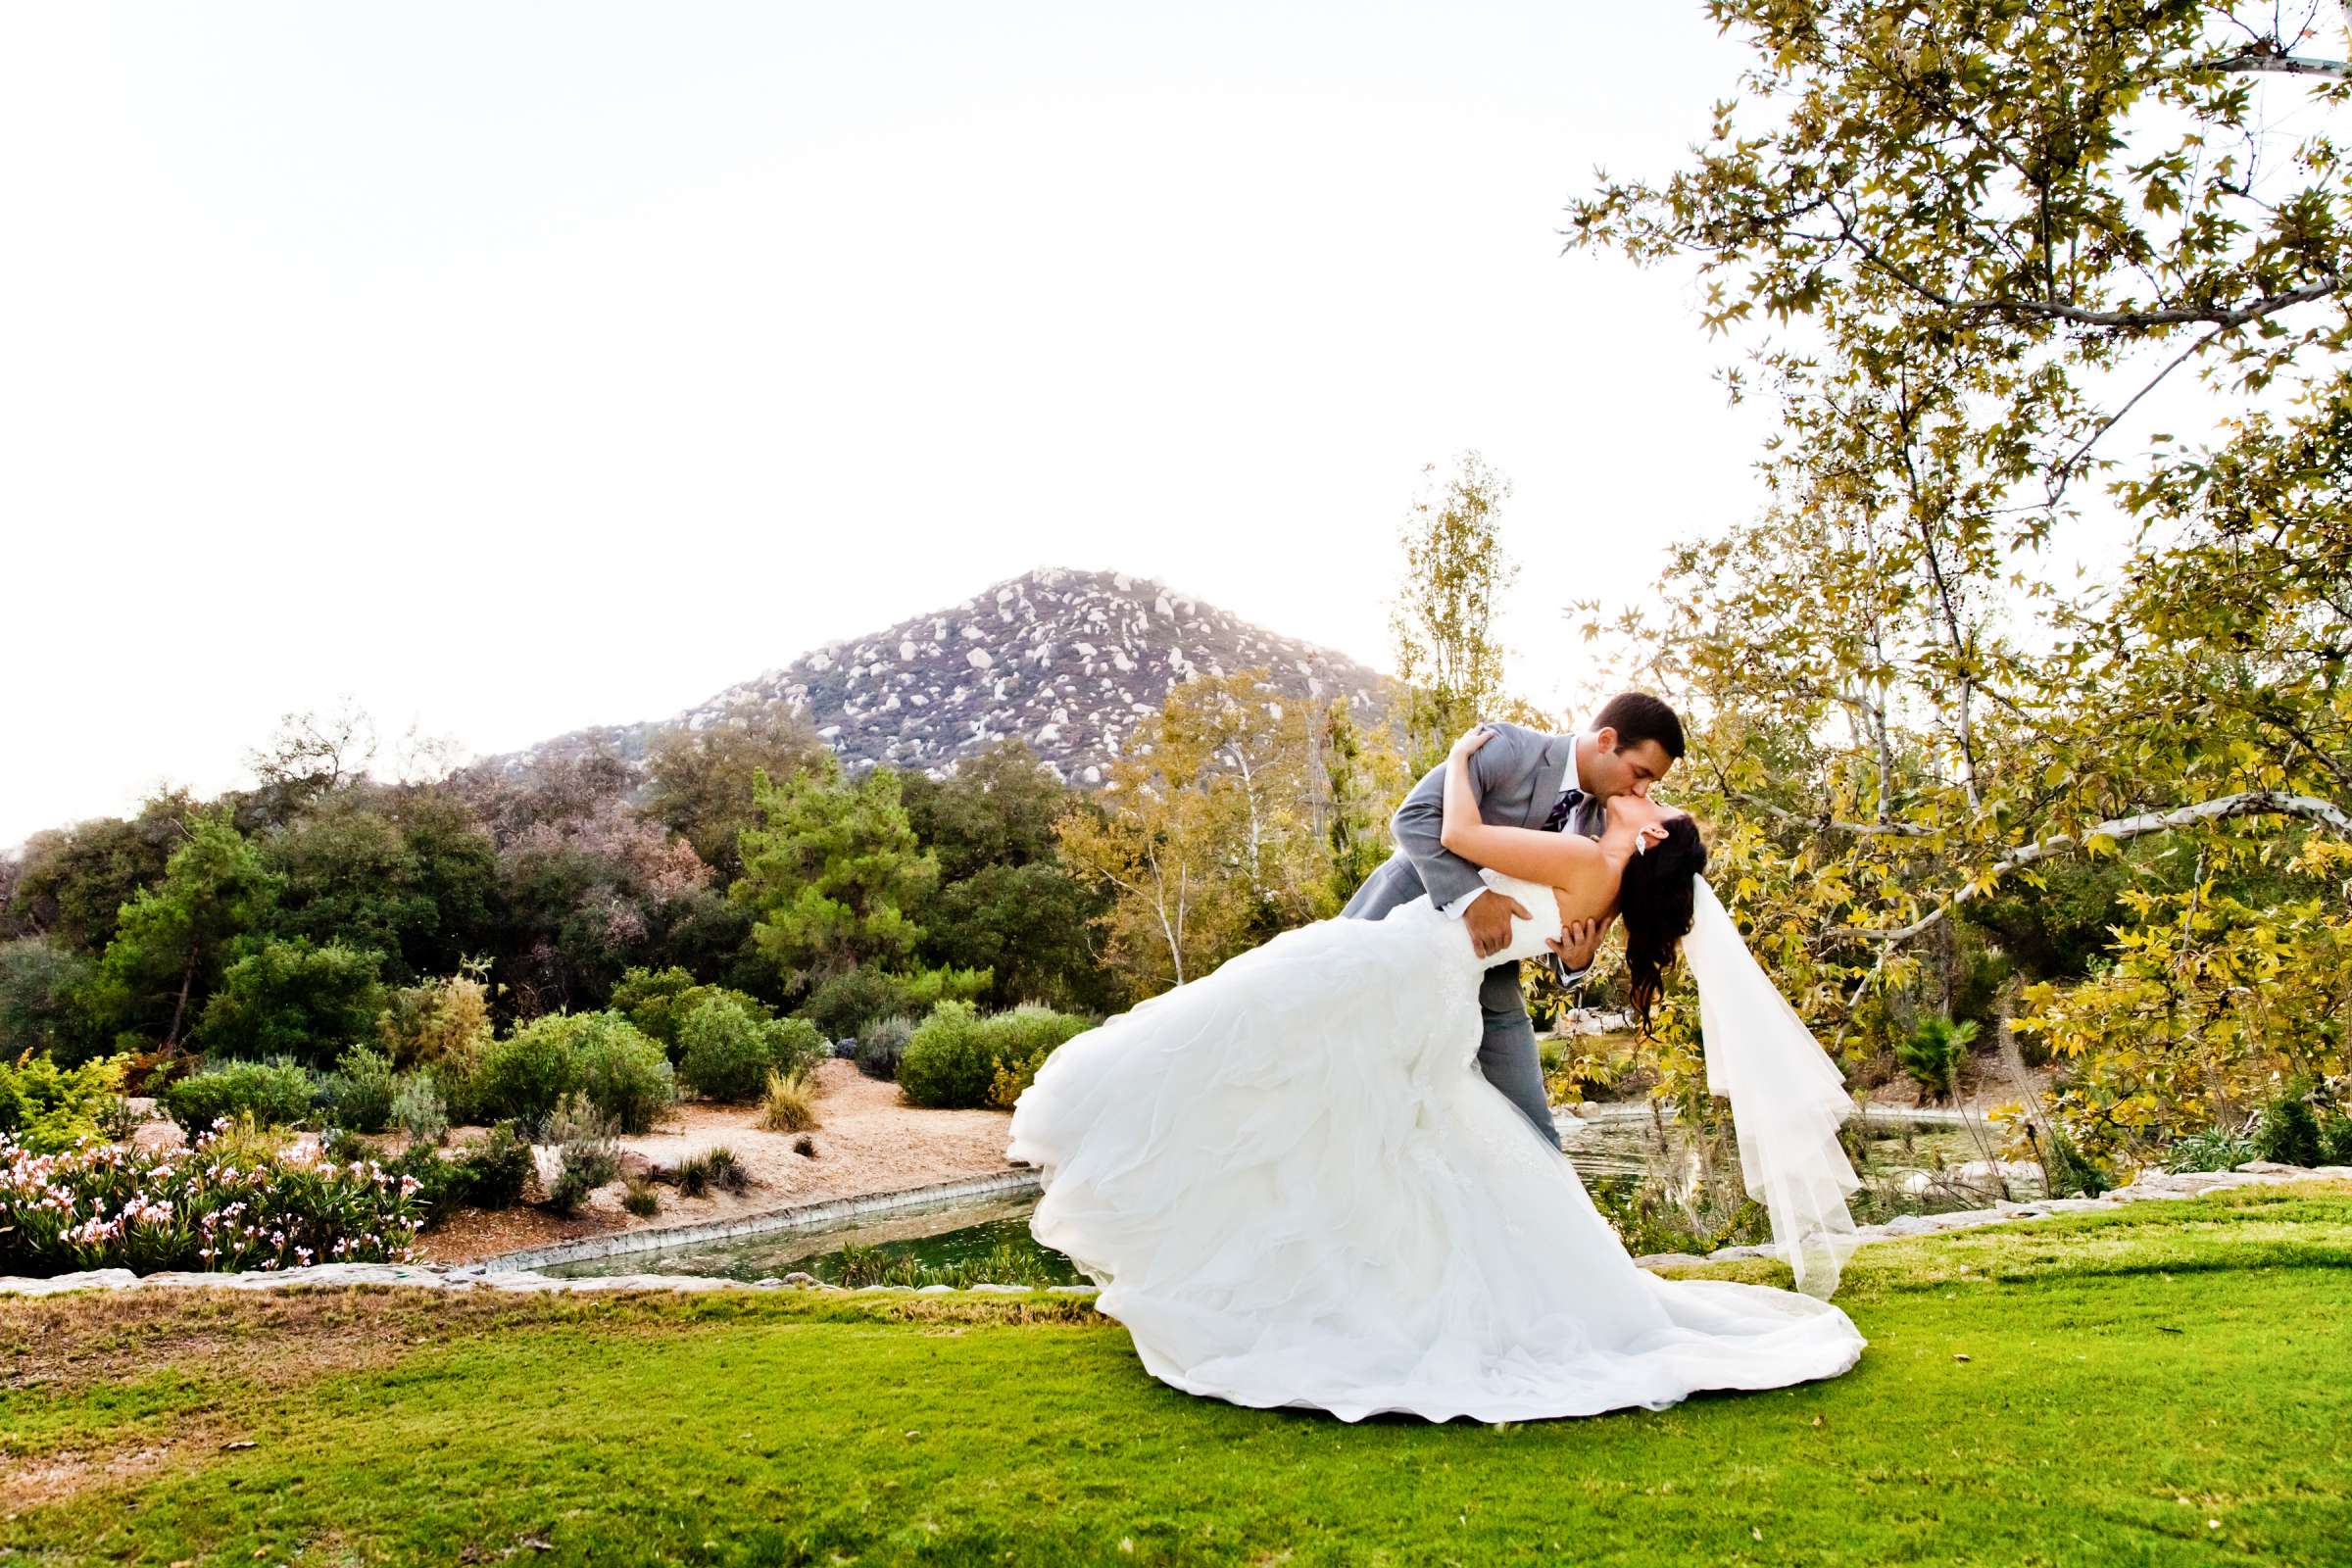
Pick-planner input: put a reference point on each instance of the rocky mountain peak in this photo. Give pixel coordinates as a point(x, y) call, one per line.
point(1069, 661)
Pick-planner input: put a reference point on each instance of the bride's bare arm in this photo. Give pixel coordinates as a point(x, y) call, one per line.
point(1558, 859)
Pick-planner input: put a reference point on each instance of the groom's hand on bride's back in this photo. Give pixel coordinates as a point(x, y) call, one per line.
point(1489, 917)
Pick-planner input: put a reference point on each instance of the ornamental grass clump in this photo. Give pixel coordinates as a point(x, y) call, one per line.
point(790, 1103)
point(712, 1167)
point(217, 1205)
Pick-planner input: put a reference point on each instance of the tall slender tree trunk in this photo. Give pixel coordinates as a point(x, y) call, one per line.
point(179, 1009)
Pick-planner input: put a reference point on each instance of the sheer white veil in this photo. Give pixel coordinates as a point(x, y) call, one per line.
point(1788, 1098)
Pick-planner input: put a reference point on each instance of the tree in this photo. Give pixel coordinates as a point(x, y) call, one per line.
point(831, 872)
point(998, 806)
point(172, 940)
point(1988, 234)
point(406, 873)
point(71, 883)
point(291, 999)
point(314, 754)
point(590, 886)
point(1005, 902)
point(1363, 779)
point(1198, 834)
point(41, 985)
point(699, 779)
point(1455, 574)
point(1253, 746)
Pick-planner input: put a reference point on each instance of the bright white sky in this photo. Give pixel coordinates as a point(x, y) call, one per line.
point(514, 368)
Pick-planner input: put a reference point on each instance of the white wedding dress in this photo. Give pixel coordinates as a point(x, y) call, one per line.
point(1294, 1187)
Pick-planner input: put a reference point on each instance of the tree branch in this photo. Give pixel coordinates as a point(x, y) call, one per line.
point(1826, 824)
point(2262, 56)
point(2250, 803)
point(2177, 315)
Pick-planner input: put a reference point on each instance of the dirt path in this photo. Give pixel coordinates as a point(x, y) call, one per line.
point(867, 1140)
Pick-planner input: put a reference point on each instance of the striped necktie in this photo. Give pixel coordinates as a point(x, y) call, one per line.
point(1563, 808)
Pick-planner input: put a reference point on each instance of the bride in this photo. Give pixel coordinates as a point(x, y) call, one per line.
point(1294, 1187)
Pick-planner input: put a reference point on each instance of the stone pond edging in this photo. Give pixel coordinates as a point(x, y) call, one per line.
point(479, 1276)
point(789, 1217)
point(2151, 1185)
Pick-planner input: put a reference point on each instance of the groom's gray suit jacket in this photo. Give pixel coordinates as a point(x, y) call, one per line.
point(1518, 775)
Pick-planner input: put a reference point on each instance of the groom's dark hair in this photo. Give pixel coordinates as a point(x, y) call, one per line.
point(1638, 716)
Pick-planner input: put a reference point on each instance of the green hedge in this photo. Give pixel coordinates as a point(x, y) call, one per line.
point(277, 1093)
point(726, 1050)
point(954, 1059)
point(602, 1055)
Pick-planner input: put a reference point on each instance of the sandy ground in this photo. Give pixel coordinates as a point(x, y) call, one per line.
point(868, 1141)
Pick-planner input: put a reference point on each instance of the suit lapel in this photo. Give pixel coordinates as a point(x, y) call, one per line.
point(1551, 767)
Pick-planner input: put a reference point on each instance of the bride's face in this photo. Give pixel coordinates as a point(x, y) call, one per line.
point(1629, 815)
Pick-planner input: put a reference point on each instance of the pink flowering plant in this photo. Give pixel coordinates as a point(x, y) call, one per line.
point(212, 1207)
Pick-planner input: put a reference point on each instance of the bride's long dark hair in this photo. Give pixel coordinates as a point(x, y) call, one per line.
point(1655, 899)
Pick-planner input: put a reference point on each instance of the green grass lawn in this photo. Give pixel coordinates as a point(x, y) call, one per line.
point(2170, 1384)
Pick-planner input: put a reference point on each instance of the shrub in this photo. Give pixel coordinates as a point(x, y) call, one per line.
point(290, 999)
point(650, 1000)
point(625, 1073)
point(712, 1167)
point(1025, 1037)
point(359, 1092)
point(953, 1058)
point(527, 1074)
point(641, 1198)
point(440, 1018)
point(2336, 1141)
point(788, 1105)
point(2073, 1173)
point(727, 1051)
point(881, 1044)
point(848, 1003)
point(1934, 1053)
point(588, 1158)
point(214, 1206)
point(947, 1062)
point(659, 1001)
point(2214, 1148)
point(498, 1169)
point(2289, 1129)
point(419, 1110)
point(458, 1079)
point(492, 1175)
point(275, 1093)
point(601, 1054)
point(47, 1108)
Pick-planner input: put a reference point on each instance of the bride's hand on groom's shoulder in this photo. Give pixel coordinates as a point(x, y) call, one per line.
point(1473, 738)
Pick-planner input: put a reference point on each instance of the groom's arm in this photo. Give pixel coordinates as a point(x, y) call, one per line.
point(1449, 880)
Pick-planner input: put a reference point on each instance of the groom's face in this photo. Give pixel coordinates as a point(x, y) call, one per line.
point(1630, 770)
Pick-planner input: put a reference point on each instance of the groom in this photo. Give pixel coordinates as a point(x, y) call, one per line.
point(1525, 778)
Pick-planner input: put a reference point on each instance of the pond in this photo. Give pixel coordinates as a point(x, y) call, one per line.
point(1909, 1165)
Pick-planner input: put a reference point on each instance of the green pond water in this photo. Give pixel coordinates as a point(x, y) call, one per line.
point(966, 1231)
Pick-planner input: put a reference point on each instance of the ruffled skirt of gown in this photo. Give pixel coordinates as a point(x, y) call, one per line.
point(1296, 1189)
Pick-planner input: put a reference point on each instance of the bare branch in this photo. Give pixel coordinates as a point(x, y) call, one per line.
point(2262, 58)
point(2064, 473)
point(2250, 803)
